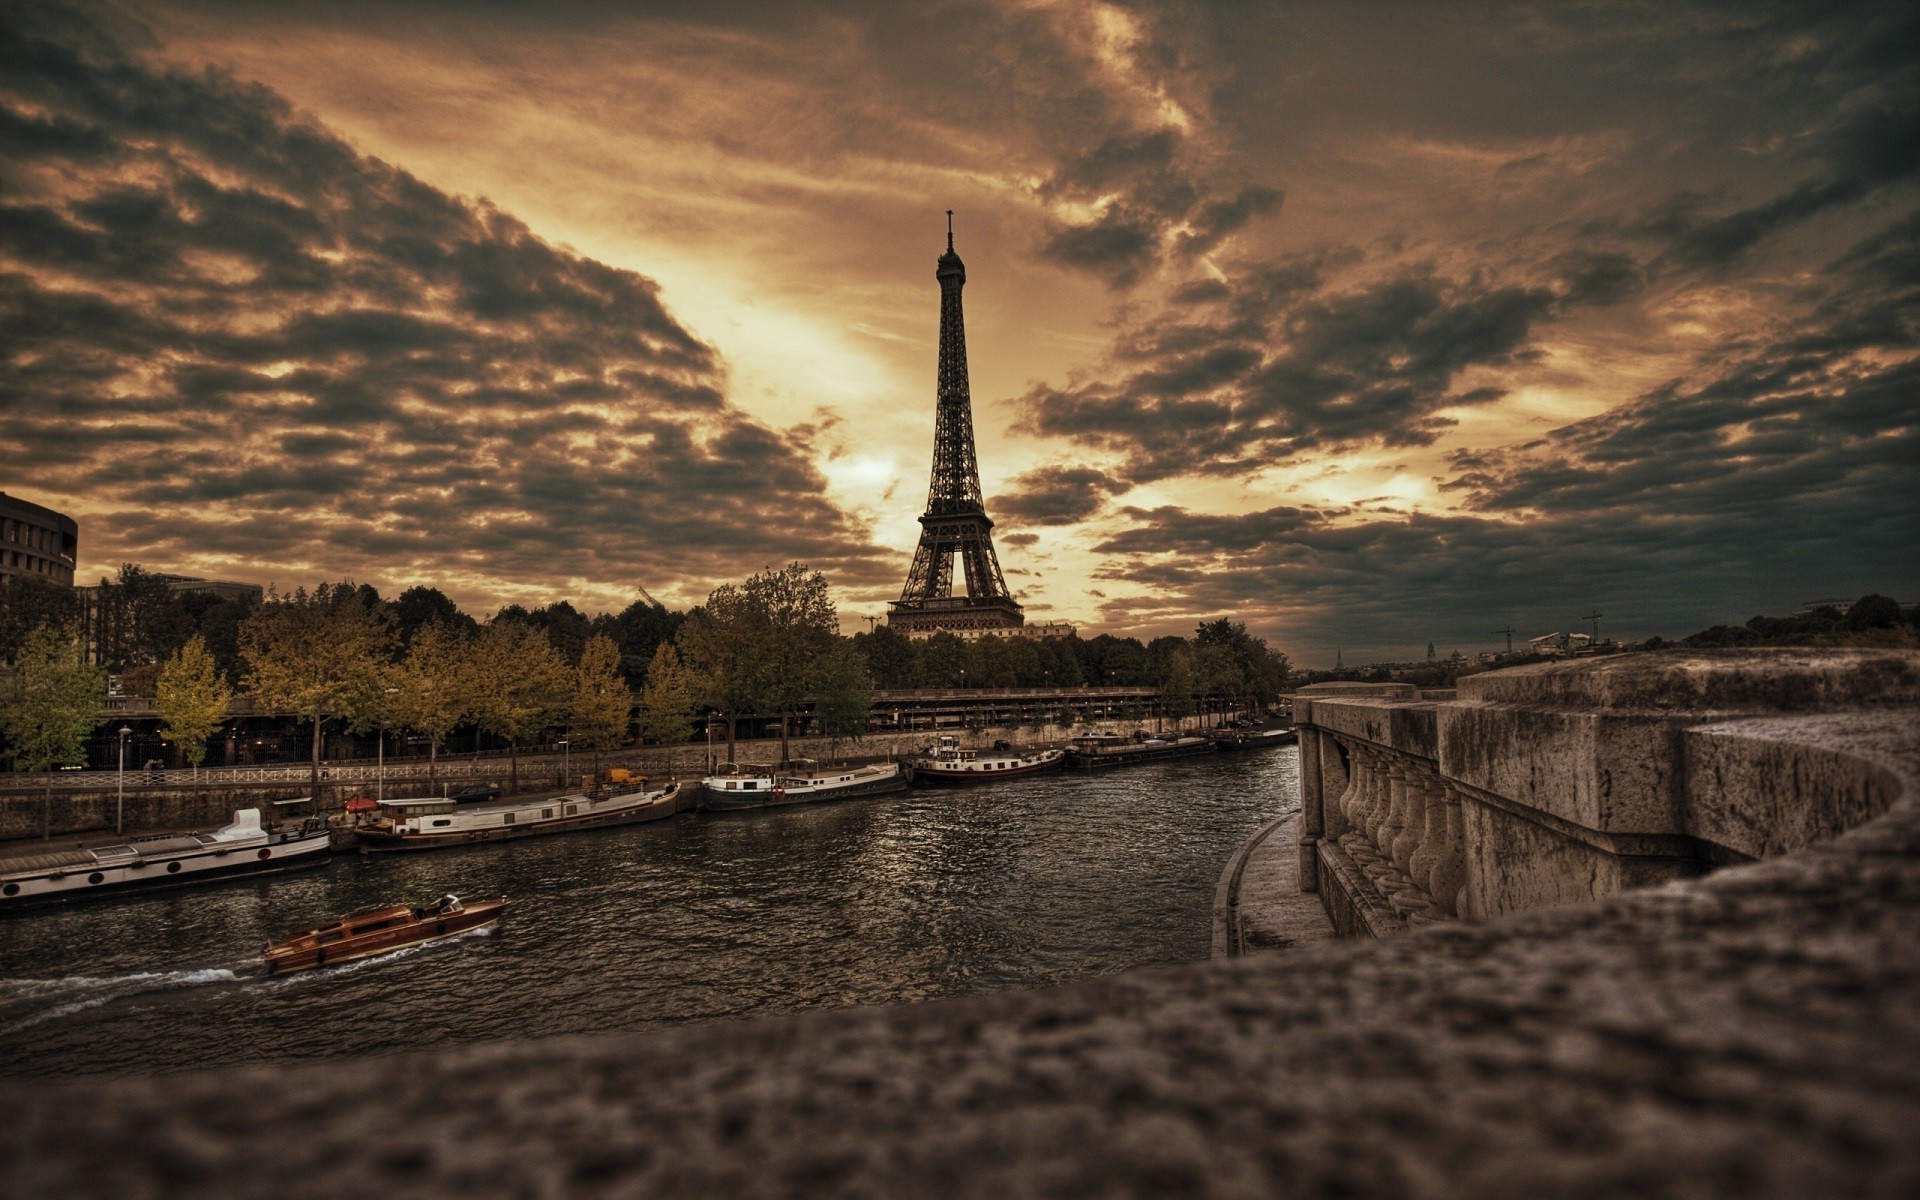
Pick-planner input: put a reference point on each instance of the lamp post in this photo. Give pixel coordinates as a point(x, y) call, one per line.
point(380, 771)
point(709, 743)
point(565, 760)
point(120, 806)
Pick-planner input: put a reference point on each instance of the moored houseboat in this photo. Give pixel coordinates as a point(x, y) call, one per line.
point(1253, 739)
point(945, 762)
point(1098, 751)
point(743, 786)
point(376, 931)
point(437, 823)
point(241, 848)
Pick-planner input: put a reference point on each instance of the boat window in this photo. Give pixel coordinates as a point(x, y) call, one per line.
point(750, 786)
point(438, 824)
point(546, 812)
point(509, 819)
point(572, 808)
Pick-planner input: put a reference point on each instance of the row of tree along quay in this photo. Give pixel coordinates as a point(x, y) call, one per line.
point(341, 657)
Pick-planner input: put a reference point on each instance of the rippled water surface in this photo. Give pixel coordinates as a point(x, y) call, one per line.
point(908, 897)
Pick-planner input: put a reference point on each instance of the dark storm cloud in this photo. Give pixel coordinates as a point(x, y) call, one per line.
point(1281, 362)
point(1694, 503)
point(1055, 496)
point(265, 346)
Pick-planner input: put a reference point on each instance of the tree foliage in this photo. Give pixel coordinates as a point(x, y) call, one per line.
point(843, 693)
point(432, 692)
point(26, 604)
point(668, 700)
point(192, 698)
point(756, 644)
point(54, 701)
point(319, 654)
point(602, 703)
point(519, 684)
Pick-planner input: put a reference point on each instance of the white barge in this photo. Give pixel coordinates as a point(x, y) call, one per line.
point(739, 786)
point(170, 860)
point(436, 823)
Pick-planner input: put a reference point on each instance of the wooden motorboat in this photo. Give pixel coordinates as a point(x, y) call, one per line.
point(376, 931)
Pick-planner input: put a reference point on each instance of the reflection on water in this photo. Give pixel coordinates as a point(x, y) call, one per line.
point(909, 897)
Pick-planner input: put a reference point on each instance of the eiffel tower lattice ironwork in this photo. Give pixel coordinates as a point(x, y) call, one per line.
point(956, 522)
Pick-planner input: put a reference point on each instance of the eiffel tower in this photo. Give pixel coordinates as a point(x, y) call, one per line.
point(956, 521)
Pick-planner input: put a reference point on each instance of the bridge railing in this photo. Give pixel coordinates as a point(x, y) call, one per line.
point(1564, 782)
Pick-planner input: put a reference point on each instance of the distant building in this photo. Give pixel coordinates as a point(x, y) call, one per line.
point(1560, 645)
point(225, 589)
point(1045, 629)
point(37, 542)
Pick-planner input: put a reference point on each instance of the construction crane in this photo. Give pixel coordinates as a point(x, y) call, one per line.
point(872, 623)
point(1509, 631)
point(648, 596)
point(1595, 618)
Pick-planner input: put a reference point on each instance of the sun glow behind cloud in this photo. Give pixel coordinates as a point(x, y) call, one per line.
point(1504, 292)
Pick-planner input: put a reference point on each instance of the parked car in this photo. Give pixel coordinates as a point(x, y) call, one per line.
point(475, 793)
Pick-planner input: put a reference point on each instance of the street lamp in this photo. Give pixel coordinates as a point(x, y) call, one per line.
point(565, 759)
point(380, 771)
point(120, 807)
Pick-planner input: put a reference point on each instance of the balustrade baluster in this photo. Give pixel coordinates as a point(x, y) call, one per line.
point(1394, 817)
point(1426, 840)
point(1450, 867)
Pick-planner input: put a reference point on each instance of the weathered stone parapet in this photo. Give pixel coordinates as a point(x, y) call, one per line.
point(1753, 1033)
point(1564, 782)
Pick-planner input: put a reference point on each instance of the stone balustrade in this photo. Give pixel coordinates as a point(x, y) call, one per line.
point(1569, 781)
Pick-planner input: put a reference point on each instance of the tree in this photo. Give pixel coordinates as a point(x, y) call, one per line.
point(431, 690)
point(1178, 687)
point(140, 619)
point(757, 643)
point(602, 704)
point(28, 602)
point(192, 699)
point(317, 655)
point(54, 702)
point(519, 685)
point(667, 702)
point(842, 695)
point(421, 607)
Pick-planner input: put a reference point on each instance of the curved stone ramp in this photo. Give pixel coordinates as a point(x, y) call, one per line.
point(1755, 1032)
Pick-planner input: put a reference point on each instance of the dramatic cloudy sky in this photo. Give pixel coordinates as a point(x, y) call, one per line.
point(1370, 324)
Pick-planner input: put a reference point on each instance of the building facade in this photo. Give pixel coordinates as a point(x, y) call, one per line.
point(37, 542)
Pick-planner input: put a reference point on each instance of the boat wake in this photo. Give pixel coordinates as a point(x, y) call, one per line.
point(360, 964)
point(78, 993)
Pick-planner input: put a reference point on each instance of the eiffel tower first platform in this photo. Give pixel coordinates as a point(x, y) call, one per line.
point(956, 522)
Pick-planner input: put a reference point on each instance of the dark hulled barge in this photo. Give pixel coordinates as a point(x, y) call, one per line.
point(946, 763)
point(1099, 751)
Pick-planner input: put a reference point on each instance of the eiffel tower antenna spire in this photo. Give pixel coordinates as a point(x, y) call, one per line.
point(956, 522)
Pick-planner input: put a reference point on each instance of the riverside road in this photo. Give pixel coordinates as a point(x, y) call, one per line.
point(922, 895)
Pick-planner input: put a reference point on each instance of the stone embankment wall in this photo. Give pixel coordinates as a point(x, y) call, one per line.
point(1754, 1032)
point(85, 802)
point(1565, 782)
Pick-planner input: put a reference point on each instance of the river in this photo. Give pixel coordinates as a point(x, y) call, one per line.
point(926, 894)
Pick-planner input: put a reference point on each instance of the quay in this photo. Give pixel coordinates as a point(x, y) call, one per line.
point(1747, 1027)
